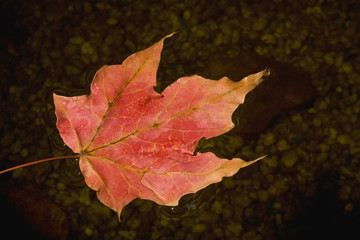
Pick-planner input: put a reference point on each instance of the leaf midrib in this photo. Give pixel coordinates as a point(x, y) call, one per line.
point(158, 124)
point(110, 105)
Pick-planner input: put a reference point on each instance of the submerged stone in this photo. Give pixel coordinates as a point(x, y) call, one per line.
point(41, 214)
point(285, 88)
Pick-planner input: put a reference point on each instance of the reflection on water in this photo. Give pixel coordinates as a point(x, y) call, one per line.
point(189, 204)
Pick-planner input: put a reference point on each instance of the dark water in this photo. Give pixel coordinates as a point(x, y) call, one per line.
point(57, 46)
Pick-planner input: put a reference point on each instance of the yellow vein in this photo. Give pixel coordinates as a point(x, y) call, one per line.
point(110, 104)
point(158, 124)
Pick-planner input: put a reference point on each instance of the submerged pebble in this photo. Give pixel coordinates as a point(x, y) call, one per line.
point(289, 158)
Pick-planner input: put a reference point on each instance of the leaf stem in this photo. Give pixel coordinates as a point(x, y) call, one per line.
point(38, 161)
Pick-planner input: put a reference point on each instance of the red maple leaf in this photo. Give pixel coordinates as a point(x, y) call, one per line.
point(135, 142)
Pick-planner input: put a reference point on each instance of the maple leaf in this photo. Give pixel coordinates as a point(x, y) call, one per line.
point(137, 143)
